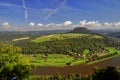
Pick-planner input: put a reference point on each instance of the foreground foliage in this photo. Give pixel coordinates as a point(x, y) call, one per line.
point(12, 63)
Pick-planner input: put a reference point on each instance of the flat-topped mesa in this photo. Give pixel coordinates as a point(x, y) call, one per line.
point(81, 30)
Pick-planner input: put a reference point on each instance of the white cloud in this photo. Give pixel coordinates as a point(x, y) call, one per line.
point(68, 23)
point(88, 24)
point(64, 26)
point(5, 25)
point(32, 24)
point(117, 24)
point(84, 23)
point(107, 24)
point(39, 24)
point(95, 24)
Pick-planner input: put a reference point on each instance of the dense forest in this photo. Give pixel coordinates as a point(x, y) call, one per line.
point(70, 45)
point(81, 30)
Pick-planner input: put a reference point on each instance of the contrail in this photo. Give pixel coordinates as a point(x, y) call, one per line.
point(16, 6)
point(25, 9)
point(57, 9)
point(22, 7)
point(10, 5)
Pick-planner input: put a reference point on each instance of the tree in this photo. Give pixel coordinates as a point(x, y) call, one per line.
point(13, 63)
point(108, 73)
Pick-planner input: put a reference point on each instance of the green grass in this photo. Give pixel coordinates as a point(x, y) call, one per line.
point(53, 60)
point(103, 59)
point(62, 37)
point(61, 59)
point(111, 51)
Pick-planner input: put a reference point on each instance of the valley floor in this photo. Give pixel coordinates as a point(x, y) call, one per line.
point(63, 60)
point(83, 69)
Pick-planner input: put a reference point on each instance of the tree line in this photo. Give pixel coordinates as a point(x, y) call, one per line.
point(75, 45)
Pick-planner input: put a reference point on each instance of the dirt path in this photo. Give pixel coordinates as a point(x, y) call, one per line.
point(83, 69)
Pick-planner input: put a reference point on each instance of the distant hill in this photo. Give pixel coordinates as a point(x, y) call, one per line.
point(81, 30)
point(109, 33)
point(114, 35)
point(8, 36)
point(68, 43)
point(64, 42)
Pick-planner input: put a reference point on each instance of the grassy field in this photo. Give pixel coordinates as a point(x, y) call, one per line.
point(52, 60)
point(62, 37)
point(103, 59)
point(61, 59)
point(111, 51)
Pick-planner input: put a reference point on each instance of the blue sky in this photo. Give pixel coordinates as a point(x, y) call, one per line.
point(24, 12)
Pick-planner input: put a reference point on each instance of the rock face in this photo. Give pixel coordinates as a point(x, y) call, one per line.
point(81, 30)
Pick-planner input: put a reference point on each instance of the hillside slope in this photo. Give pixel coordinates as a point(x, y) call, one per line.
point(63, 36)
point(69, 43)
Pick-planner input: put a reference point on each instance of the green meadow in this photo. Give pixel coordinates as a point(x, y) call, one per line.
point(111, 51)
point(63, 36)
point(62, 59)
point(53, 60)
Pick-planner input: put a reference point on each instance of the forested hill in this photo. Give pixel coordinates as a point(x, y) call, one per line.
point(114, 35)
point(81, 30)
point(68, 43)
